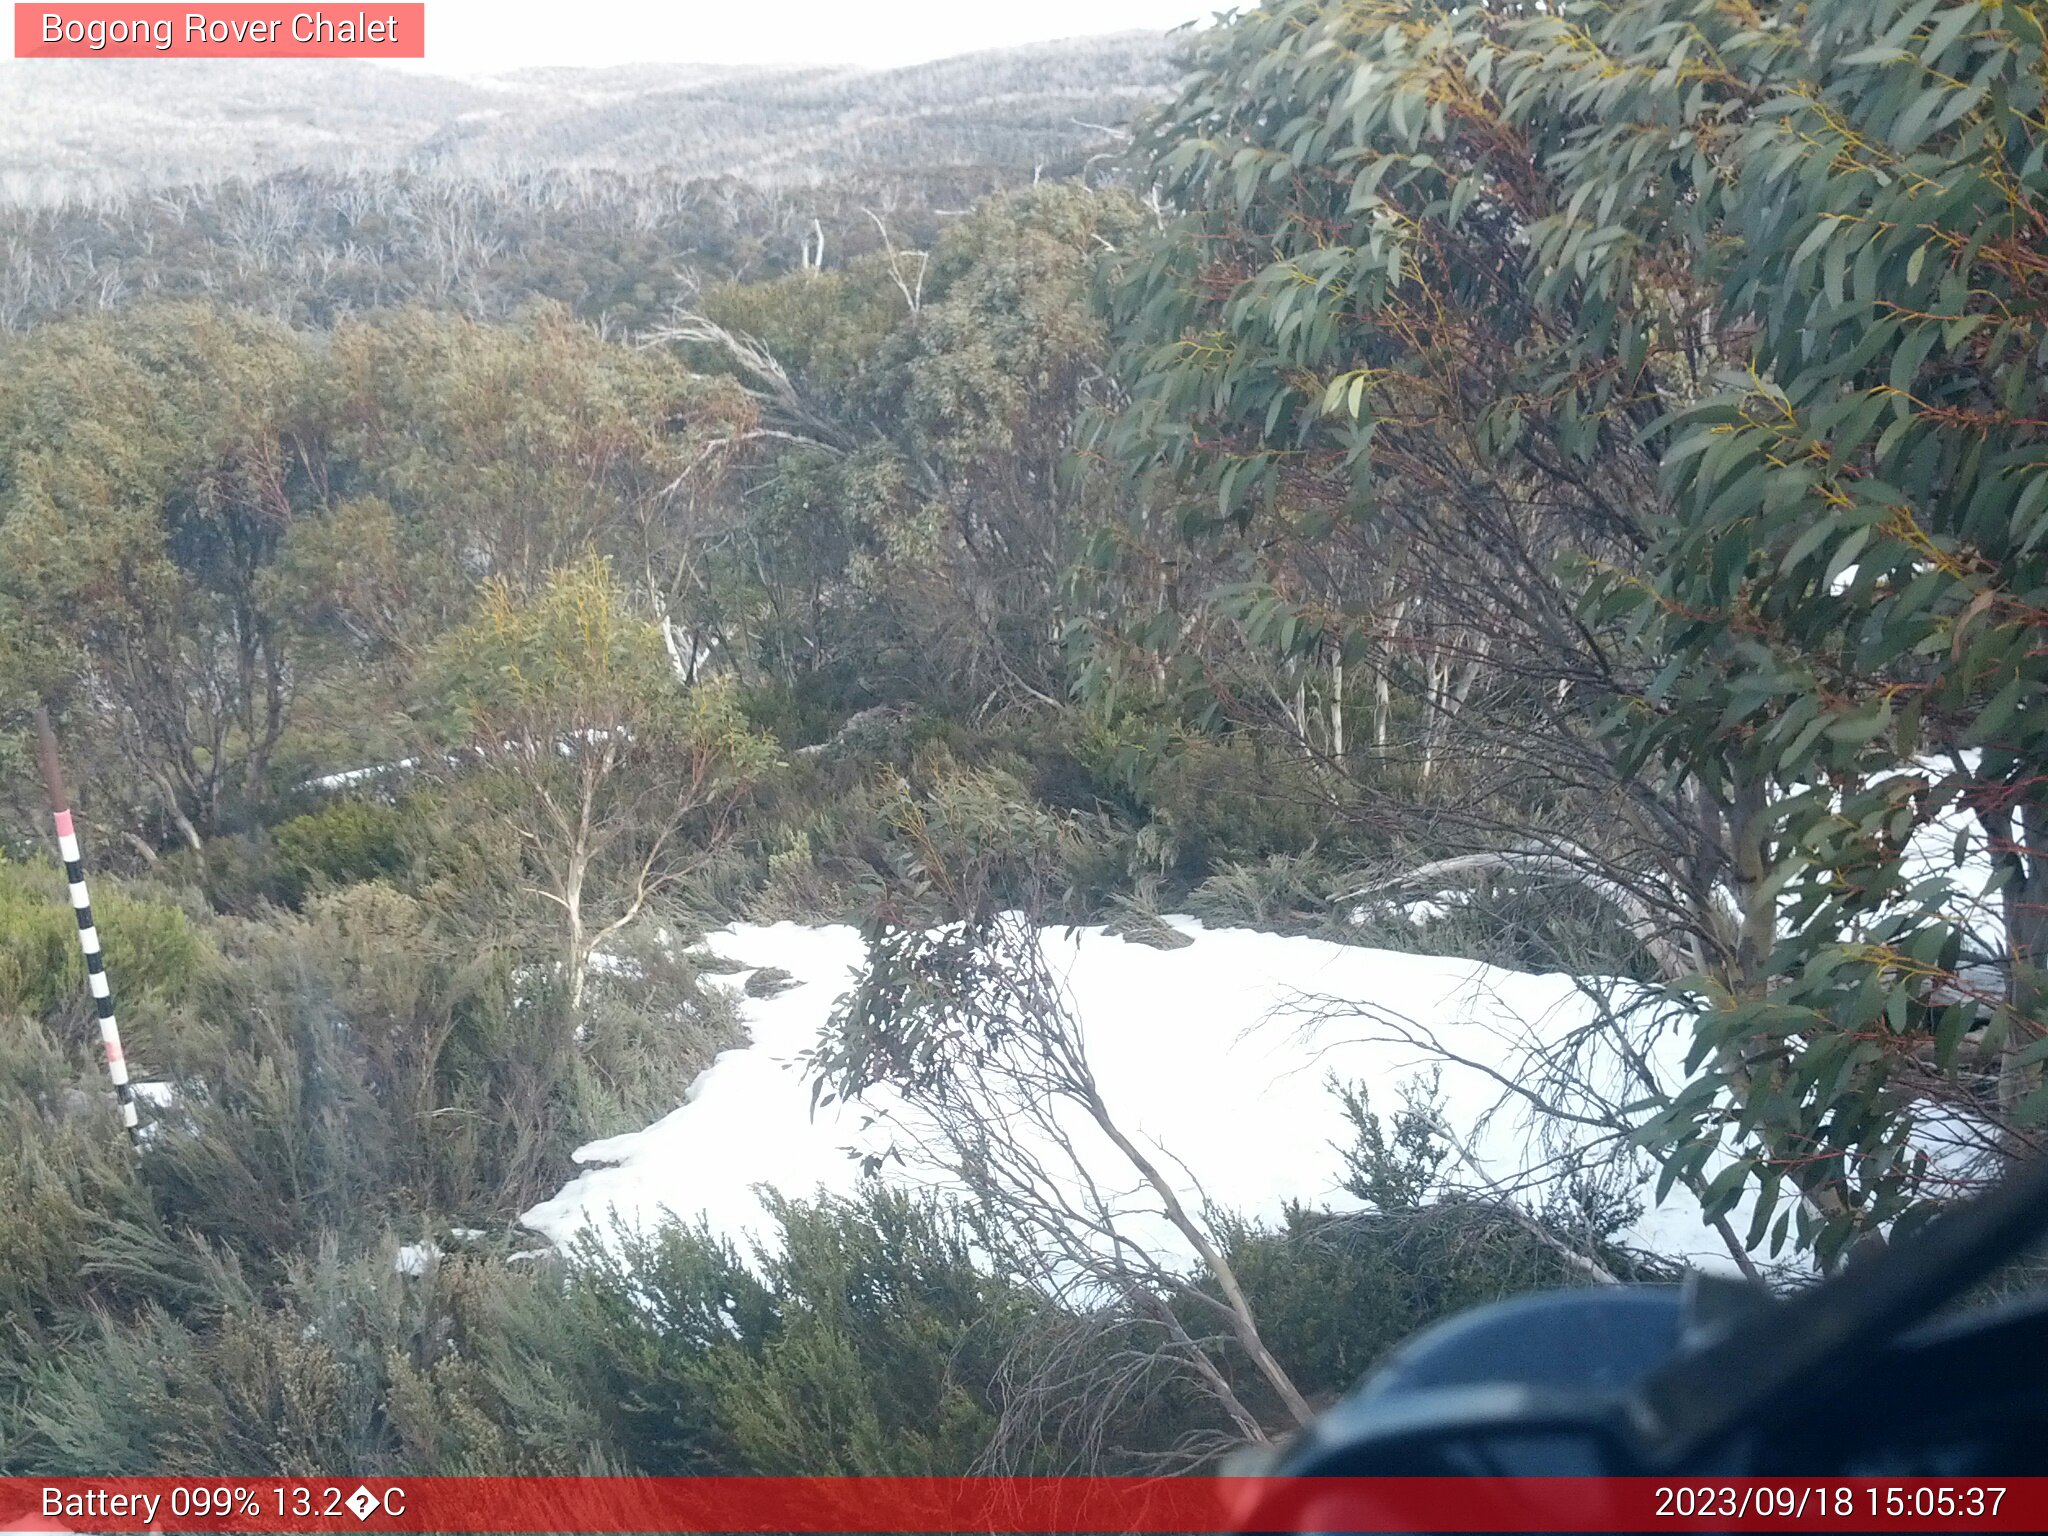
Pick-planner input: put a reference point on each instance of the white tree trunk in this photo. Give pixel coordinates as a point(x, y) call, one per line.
point(1337, 705)
point(1383, 682)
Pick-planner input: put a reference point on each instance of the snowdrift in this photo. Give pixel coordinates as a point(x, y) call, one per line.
point(1218, 1055)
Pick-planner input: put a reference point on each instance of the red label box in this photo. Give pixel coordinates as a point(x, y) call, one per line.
point(238, 31)
point(996, 1506)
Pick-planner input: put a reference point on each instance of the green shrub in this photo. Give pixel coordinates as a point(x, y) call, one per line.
point(645, 1035)
point(1522, 924)
point(344, 843)
point(62, 1166)
point(1214, 799)
point(470, 1367)
point(239, 874)
point(152, 951)
point(1279, 891)
point(867, 1342)
point(798, 887)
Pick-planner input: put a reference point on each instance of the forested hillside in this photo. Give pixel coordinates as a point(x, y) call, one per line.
point(74, 129)
point(1555, 491)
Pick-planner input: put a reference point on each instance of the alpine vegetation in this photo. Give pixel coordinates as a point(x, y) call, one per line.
point(997, 789)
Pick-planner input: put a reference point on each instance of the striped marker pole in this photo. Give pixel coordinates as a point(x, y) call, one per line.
point(88, 935)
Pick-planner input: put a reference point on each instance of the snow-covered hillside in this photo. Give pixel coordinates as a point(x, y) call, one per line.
point(1219, 1054)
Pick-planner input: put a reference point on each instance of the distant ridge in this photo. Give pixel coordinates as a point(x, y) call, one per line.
point(94, 127)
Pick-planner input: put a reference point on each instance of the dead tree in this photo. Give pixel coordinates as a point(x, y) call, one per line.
point(992, 1087)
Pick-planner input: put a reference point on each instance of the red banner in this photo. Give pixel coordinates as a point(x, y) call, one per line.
point(1016, 1505)
point(237, 31)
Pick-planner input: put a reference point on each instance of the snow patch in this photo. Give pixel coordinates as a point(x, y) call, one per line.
point(349, 778)
point(1219, 1053)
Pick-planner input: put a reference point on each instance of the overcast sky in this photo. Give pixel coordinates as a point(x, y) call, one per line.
point(472, 36)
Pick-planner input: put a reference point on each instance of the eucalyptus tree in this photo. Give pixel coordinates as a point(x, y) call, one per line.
point(1848, 603)
point(562, 718)
point(152, 469)
point(1674, 367)
point(909, 510)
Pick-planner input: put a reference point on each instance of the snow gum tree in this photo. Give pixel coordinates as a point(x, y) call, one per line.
point(150, 474)
point(973, 1028)
point(560, 711)
point(1675, 367)
point(1846, 600)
